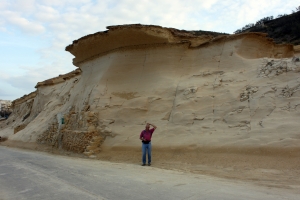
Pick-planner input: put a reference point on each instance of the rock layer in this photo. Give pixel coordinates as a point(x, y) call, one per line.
point(237, 91)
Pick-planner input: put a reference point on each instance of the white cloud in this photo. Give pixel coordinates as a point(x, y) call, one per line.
point(2, 25)
point(209, 4)
point(4, 4)
point(32, 75)
point(61, 3)
point(7, 93)
point(46, 14)
point(24, 6)
point(24, 24)
point(3, 75)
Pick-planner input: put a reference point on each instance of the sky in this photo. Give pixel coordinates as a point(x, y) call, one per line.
point(34, 33)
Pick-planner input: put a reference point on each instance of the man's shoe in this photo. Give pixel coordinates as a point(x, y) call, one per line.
point(149, 164)
point(143, 164)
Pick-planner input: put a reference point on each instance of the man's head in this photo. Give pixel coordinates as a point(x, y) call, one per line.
point(147, 126)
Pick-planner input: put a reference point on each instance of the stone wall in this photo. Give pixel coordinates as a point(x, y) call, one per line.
point(75, 132)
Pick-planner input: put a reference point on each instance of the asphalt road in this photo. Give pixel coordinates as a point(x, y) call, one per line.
point(36, 175)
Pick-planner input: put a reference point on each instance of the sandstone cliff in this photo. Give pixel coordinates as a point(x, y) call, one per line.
point(201, 91)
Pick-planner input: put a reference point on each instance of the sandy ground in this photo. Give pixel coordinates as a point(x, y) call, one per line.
point(278, 168)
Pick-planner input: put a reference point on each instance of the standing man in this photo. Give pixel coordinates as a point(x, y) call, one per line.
point(146, 140)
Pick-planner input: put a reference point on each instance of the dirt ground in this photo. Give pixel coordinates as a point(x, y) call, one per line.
point(263, 166)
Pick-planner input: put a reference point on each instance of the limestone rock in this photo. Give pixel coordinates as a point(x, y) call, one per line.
point(235, 90)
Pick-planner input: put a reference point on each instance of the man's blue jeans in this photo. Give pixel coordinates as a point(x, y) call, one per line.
point(146, 148)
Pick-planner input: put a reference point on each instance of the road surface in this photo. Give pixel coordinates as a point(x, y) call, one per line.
point(36, 175)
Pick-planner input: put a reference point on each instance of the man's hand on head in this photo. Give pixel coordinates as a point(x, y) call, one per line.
point(152, 125)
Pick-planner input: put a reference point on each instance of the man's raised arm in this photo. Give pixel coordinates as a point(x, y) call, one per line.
point(153, 126)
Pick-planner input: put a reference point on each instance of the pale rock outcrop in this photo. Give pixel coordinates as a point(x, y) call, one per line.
point(5, 109)
point(5, 104)
point(236, 90)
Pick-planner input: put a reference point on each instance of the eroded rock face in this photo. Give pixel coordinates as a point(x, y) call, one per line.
point(207, 91)
point(248, 93)
point(80, 132)
point(5, 103)
point(276, 67)
point(5, 109)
